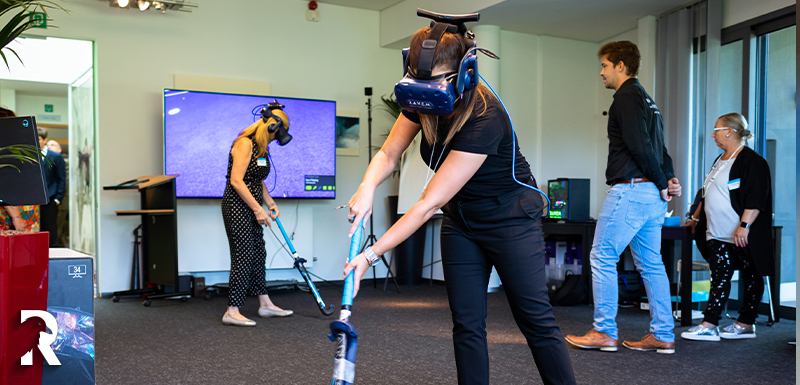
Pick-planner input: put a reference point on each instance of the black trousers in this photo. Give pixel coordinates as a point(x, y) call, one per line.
point(504, 232)
point(48, 220)
point(248, 255)
point(725, 258)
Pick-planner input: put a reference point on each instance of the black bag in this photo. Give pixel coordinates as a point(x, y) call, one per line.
point(572, 292)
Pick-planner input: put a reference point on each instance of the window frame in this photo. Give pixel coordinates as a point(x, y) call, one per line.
point(753, 33)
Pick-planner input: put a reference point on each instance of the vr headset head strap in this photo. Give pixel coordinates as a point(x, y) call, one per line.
point(428, 51)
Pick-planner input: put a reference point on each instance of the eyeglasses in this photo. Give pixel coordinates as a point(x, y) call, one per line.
point(721, 128)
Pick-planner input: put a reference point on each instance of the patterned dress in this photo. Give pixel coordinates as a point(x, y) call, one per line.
point(245, 234)
point(30, 214)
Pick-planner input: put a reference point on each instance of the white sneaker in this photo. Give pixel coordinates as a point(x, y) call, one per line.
point(736, 332)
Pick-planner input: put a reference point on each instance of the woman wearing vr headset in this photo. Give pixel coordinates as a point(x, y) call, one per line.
point(489, 218)
point(243, 215)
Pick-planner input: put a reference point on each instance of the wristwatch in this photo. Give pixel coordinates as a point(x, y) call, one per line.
point(745, 225)
point(370, 255)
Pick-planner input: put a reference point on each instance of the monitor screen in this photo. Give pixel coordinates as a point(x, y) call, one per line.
point(200, 127)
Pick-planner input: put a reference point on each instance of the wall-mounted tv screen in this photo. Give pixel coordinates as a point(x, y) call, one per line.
point(200, 127)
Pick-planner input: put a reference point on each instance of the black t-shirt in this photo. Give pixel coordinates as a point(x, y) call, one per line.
point(488, 133)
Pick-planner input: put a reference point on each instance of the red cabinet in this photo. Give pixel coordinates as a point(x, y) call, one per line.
point(24, 265)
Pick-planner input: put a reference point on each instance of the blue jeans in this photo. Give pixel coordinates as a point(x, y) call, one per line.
point(632, 214)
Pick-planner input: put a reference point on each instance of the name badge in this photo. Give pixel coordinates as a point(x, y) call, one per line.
point(262, 162)
point(734, 184)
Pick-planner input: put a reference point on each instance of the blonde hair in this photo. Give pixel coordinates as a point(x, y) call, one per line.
point(260, 134)
point(737, 123)
point(451, 49)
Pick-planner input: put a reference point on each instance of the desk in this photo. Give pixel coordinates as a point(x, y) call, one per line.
point(684, 235)
point(585, 230)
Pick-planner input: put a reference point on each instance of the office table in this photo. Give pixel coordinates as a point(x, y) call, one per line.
point(585, 230)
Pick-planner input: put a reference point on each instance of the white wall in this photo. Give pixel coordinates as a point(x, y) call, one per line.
point(137, 54)
point(34, 105)
point(8, 98)
point(550, 88)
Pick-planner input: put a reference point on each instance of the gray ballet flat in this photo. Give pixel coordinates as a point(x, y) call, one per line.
point(228, 320)
point(266, 313)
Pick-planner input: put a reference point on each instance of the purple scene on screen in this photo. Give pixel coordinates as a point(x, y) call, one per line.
point(200, 127)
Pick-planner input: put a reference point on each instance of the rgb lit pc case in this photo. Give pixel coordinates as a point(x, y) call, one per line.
point(569, 199)
point(24, 185)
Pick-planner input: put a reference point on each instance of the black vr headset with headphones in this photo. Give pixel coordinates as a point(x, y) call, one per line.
point(422, 93)
point(282, 134)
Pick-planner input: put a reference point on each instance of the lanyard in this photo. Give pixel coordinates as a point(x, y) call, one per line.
point(715, 170)
point(431, 172)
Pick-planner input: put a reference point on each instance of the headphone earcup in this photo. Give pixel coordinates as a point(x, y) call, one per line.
point(468, 73)
point(275, 126)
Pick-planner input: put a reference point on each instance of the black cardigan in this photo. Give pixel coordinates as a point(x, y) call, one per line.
point(755, 192)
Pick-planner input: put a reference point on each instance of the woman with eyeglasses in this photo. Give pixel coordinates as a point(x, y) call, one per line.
point(733, 224)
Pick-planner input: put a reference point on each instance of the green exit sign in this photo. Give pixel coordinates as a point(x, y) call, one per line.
point(38, 19)
point(48, 108)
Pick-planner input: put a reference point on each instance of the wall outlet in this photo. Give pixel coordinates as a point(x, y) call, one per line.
point(312, 15)
point(644, 306)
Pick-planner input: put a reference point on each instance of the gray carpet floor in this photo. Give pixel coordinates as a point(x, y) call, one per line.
point(404, 338)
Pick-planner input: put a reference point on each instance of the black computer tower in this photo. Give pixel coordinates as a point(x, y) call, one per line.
point(24, 183)
point(569, 199)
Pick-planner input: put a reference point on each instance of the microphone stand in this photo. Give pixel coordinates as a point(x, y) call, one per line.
point(371, 239)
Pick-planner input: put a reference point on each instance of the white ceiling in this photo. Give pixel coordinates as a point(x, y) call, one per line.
point(373, 5)
point(35, 88)
point(587, 20)
point(50, 60)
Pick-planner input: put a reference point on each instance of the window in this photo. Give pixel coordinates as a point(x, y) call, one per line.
point(758, 79)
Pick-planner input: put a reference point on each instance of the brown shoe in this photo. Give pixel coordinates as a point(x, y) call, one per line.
point(650, 343)
point(594, 340)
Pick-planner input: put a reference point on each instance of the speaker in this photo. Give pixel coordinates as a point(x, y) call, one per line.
point(198, 287)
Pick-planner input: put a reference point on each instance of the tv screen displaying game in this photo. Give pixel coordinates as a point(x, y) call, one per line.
point(200, 127)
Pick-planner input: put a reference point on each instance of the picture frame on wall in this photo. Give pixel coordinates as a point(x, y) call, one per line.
point(348, 140)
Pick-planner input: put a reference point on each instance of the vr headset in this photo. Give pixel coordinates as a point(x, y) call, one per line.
point(422, 93)
point(282, 134)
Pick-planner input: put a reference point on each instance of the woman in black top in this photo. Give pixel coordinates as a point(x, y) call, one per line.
point(490, 220)
point(244, 195)
point(733, 230)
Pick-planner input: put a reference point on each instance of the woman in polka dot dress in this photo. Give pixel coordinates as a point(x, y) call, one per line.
point(242, 211)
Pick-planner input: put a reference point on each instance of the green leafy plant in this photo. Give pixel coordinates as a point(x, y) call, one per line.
point(20, 21)
point(389, 105)
point(19, 152)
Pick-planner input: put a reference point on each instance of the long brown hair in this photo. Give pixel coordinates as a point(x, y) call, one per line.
point(259, 133)
point(449, 52)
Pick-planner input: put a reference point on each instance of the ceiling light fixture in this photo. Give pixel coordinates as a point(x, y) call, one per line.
point(160, 5)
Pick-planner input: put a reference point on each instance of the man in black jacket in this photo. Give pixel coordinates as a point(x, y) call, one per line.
point(55, 174)
point(642, 181)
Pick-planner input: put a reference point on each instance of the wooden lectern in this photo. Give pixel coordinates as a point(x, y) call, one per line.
point(159, 237)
